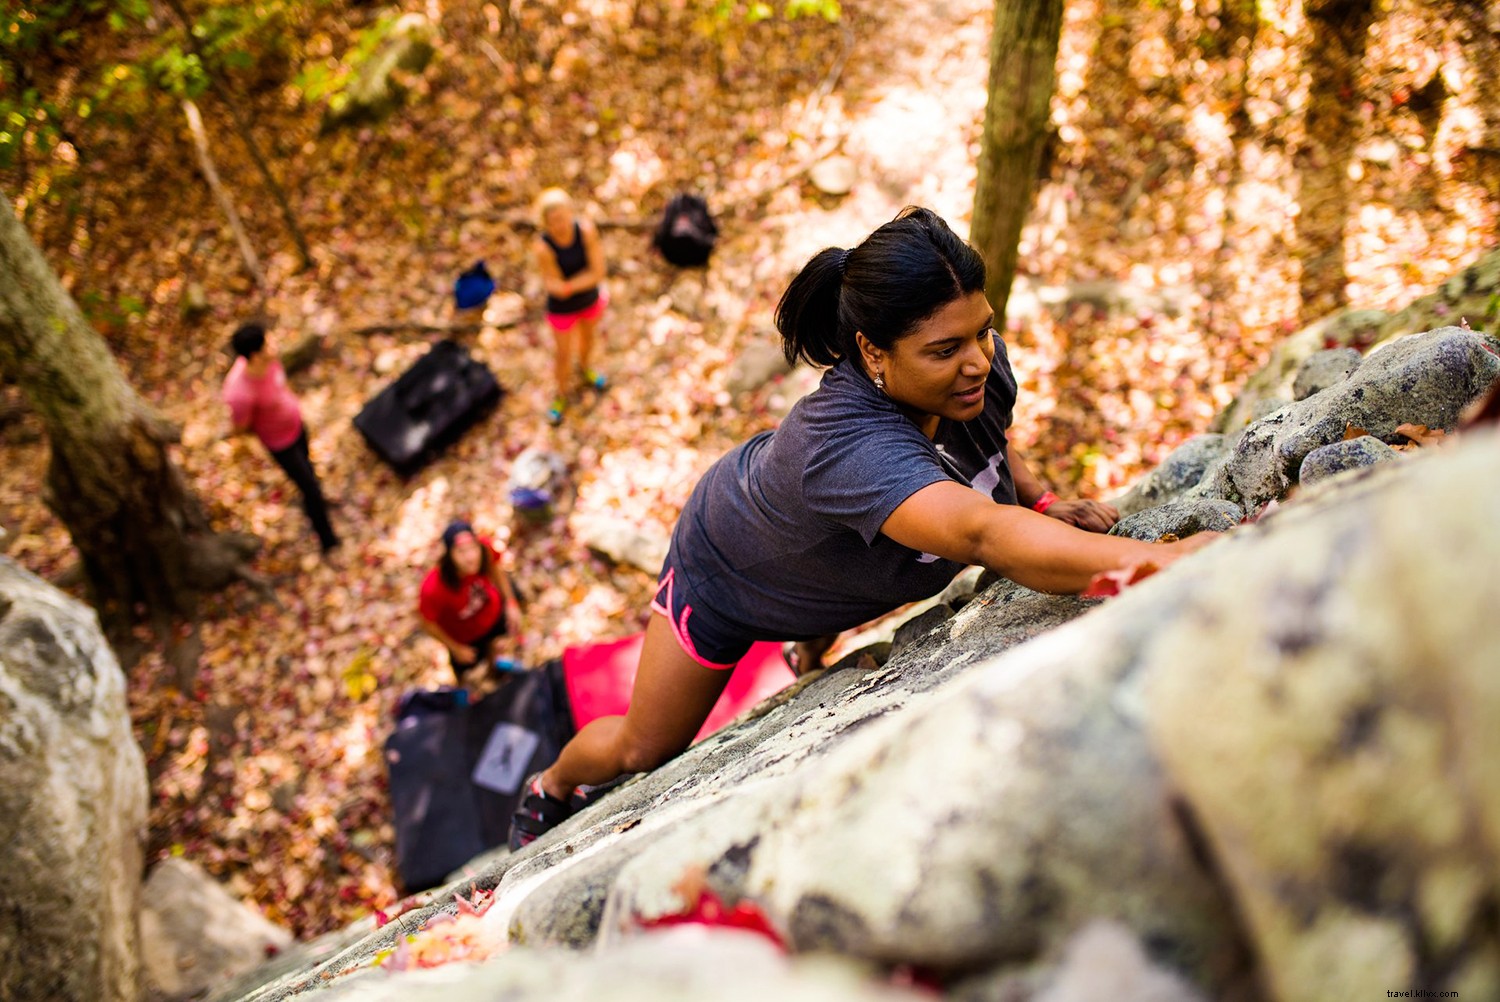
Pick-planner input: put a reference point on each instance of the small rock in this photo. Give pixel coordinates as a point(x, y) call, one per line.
point(1340, 457)
point(755, 366)
point(625, 543)
point(1323, 369)
point(1180, 519)
point(833, 176)
point(195, 934)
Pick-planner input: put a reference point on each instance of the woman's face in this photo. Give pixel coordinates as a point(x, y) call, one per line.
point(466, 554)
point(939, 370)
point(559, 221)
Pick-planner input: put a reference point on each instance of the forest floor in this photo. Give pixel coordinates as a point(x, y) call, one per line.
point(1167, 251)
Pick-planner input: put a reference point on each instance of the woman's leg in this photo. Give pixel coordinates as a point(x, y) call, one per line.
point(585, 329)
point(672, 697)
point(565, 359)
point(808, 654)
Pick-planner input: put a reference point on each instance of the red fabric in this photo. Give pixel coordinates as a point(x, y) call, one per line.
point(266, 405)
point(467, 613)
point(710, 910)
point(600, 678)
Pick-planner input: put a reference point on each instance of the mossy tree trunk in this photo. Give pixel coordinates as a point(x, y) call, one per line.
point(1023, 67)
point(144, 540)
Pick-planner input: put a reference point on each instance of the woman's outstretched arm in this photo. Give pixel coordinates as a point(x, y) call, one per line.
point(1031, 549)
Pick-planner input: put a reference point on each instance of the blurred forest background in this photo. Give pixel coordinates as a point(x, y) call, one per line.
point(1219, 173)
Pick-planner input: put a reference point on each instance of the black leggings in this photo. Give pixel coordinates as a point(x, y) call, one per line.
point(298, 465)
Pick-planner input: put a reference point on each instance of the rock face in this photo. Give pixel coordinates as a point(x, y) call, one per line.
point(1251, 775)
point(72, 802)
point(1338, 753)
point(1425, 379)
point(195, 934)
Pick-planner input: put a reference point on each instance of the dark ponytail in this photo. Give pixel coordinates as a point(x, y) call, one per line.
point(885, 287)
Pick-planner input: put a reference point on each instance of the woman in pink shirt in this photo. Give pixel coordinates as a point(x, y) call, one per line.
point(260, 400)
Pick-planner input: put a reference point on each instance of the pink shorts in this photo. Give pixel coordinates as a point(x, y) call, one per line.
point(564, 321)
point(709, 642)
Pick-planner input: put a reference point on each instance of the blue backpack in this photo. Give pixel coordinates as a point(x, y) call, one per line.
point(473, 287)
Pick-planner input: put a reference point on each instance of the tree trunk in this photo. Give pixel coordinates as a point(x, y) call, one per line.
point(1023, 63)
point(142, 536)
point(226, 203)
point(242, 129)
point(1335, 58)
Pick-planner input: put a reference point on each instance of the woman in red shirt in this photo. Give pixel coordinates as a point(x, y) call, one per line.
point(467, 601)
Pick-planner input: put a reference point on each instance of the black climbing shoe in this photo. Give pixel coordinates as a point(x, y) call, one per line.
point(539, 813)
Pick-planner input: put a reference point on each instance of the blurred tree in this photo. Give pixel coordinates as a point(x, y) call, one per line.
point(1340, 35)
point(211, 81)
point(1023, 58)
point(66, 64)
point(142, 535)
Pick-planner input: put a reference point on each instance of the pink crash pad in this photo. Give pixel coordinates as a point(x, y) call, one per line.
point(600, 677)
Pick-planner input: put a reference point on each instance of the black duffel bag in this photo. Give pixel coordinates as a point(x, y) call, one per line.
point(434, 402)
point(455, 768)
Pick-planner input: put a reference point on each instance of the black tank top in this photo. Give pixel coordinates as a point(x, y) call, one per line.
point(570, 261)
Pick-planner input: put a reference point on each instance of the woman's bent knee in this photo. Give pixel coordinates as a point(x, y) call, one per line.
point(643, 757)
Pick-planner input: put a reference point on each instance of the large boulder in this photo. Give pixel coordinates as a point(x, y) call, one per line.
point(1338, 751)
point(72, 802)
point(195, 934)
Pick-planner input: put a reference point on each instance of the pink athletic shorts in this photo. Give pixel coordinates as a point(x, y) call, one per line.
point(564, 321)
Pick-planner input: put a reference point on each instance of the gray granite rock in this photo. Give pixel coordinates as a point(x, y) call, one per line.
point(72, 802)
point(1180, 519)
point(1185, 467)
point(1338, 457)
point(1424, 379)
point(195, 934)
point(1338, 759)
point(1323, 369)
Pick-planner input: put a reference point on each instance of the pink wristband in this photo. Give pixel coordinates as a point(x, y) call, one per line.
point(1047, 500)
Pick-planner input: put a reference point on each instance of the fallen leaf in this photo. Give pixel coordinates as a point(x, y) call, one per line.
point(1108, 583)
point(1421, 434)
point(1354, 431)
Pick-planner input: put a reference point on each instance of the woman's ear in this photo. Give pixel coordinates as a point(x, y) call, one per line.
point(874, 358)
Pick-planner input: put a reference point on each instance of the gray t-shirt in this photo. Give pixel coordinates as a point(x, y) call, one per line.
point(781, 538)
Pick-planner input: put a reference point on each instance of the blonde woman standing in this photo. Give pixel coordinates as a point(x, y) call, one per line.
point(571, 259)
